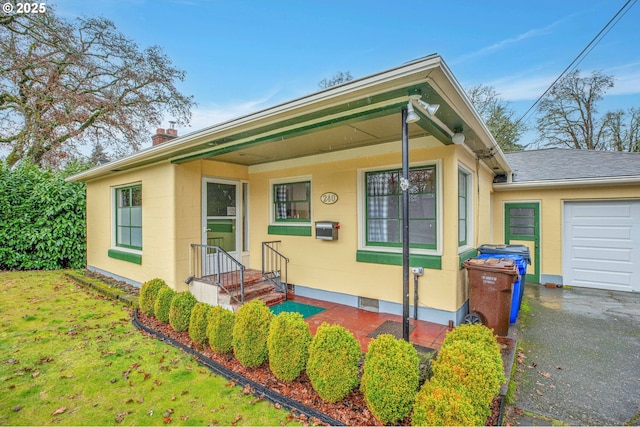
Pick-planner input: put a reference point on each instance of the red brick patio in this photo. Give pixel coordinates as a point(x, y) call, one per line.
point(362, 322)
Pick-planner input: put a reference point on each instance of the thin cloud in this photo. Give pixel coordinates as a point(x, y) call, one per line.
point(212, 114)
point(508, 42)
point(529, 85)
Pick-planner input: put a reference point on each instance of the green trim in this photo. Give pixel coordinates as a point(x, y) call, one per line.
point(451, 119)
point(467, 255)
point(221, 146)
point(463, 195)
point(277, 203)
point(432, 128)
point(221, 228)
point(433, 262)
point(290, 230)
point(126, 228)
point(125, 256)
point(398, 196)
point(508, 237)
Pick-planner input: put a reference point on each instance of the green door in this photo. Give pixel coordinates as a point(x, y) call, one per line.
point(522, 227)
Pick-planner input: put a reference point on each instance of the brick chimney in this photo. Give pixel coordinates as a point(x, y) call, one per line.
point(163, 135)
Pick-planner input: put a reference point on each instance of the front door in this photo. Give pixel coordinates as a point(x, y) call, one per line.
point(222, 218)
point(522, 227)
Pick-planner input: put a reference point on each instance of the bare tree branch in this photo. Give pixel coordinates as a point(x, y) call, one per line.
point(64, 85)
point(569, 115)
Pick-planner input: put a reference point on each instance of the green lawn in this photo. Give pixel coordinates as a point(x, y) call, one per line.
point(69, 356)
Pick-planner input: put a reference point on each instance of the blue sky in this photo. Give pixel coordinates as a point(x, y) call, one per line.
point(242, 56)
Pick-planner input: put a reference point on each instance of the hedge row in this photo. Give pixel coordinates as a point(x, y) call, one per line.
point(466, 375)
point(42, 219)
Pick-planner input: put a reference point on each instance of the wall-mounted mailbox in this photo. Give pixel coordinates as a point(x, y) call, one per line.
point(327, 230)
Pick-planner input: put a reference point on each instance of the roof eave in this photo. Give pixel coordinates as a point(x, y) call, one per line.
point(161, 151)
point(558, 183)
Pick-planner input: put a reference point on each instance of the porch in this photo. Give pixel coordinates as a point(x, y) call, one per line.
point(361, 323)
point(237, 284)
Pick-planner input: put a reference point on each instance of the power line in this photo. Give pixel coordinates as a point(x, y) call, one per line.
point(579, 58)
point(587, 49)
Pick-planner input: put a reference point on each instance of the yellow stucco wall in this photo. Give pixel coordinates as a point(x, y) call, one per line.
point(332, 265)
point(157, 223)
point(188, 208)
point(551, 215)
point(172, 220)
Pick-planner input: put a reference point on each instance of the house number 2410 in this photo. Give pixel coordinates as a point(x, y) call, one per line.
point(329, 198)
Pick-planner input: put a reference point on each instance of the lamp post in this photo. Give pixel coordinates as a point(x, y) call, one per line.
point(404, 185)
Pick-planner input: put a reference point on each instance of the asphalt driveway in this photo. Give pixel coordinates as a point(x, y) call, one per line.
point(580, 359)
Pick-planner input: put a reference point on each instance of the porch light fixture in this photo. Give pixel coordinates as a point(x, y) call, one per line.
point(429, 108)
point(458, 138)
point(412, 117)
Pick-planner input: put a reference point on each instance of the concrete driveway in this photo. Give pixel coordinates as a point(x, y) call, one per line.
point(580, 358)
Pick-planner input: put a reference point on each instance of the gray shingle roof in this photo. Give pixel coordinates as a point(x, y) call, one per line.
point(561, 163)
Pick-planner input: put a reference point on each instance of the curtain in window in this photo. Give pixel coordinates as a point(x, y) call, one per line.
point(281, 196)
point(380, 186)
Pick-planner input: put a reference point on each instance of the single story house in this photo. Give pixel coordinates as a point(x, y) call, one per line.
point(316, 184)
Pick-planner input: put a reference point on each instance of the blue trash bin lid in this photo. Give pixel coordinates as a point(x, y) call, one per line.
point(521, 250)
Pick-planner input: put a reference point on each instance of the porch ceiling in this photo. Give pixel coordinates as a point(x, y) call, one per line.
point(370, 120)
point(300, 144)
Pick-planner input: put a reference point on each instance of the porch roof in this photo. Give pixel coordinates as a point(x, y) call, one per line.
point(358, 113)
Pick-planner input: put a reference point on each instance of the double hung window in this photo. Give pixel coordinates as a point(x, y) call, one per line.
point(384, 208)
point(292, 202)
point(128, 216)
point(463, 207)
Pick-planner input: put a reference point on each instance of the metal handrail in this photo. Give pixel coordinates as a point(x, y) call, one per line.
point(274, 265)
point(224, 270)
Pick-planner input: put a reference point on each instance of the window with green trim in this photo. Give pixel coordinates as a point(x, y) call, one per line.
point(384, 208)
point(463, 207)
point(292, 202)
point(128, 217)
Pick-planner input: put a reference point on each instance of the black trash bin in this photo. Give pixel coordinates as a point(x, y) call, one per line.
point(491, 288)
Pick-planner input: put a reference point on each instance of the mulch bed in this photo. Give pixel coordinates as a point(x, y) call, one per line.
point(351, 411)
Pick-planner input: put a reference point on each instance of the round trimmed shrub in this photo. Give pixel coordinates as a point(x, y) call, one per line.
point(148, 293)
point(163, 304)
point(477, 367)
point(332, 367)
point(250, 333)
point(180, 310)
point(475, 334)
point(390, 378)
point(288, 345)
point(199, 322)
point(220, 329)
point(445, 405)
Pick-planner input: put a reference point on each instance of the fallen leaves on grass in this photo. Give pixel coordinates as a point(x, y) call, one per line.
point(59, 411)
point(120, 416)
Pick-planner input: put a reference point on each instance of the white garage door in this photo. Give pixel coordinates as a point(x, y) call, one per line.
point(601, 244)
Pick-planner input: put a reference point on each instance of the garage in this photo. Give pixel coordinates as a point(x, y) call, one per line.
point(601, 244)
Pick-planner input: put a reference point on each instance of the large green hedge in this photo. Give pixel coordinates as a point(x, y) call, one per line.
point(42, 219)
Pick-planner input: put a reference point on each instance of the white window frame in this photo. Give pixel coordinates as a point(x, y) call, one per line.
point(114, 230)
point(362, 211)
point(290, 180)
point(470, 208)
